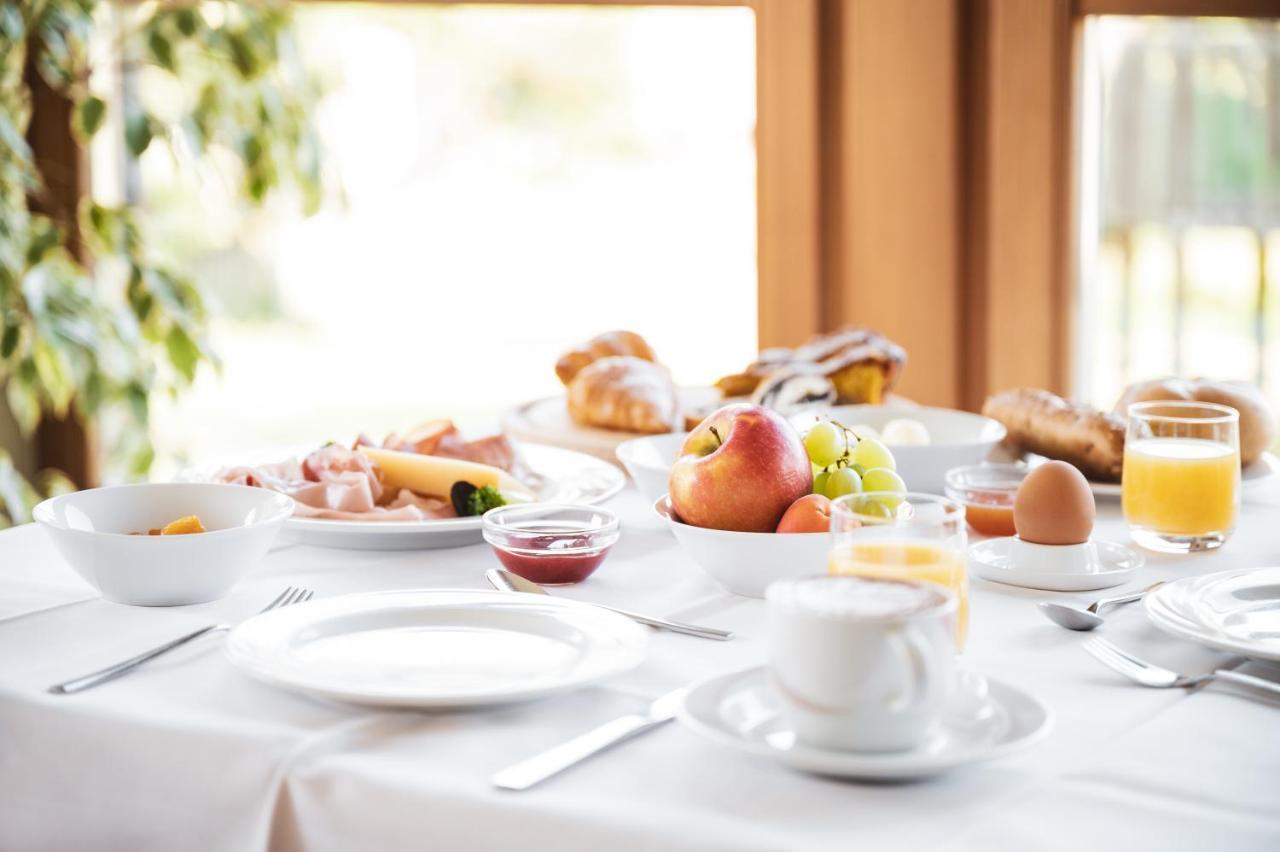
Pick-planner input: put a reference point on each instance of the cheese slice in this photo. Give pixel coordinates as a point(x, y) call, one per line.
point(435, 475)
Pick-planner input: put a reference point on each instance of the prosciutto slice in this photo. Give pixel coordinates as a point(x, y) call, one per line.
point(336, 483)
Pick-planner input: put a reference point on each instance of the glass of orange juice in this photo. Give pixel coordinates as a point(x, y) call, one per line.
point(902, 536)
point(1180, 485)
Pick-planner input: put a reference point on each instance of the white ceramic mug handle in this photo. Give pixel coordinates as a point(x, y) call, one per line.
point(906, 642)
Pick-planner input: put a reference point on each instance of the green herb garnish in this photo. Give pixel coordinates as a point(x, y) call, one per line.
point(469, 501)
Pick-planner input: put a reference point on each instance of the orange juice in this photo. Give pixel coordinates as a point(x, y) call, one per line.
point(1181, 486)
point(908, 560)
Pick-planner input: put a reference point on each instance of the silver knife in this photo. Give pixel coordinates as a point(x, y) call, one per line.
point(557, 759)
point(505, 581)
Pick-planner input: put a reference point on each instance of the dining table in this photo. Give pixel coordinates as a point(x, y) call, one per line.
point(188, 753)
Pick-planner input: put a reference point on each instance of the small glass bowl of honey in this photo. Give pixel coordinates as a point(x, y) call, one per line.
point(986, 491)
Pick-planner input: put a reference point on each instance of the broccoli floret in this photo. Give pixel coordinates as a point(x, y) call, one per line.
point(484, 499)
point(469, 500)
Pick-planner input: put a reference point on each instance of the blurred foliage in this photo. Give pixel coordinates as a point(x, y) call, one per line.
point(109, 328)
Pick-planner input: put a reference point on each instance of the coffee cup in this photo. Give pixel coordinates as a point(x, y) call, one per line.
point(861, 664)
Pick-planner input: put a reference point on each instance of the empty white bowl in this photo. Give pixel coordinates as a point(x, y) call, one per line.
point(649, 461)
point(91, 529)
point(956, 438)
point(746, 563)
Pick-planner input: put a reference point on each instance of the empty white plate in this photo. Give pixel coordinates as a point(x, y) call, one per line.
point(741, 710)
point(436, 648)
point(993, 560)
point(1237, 611)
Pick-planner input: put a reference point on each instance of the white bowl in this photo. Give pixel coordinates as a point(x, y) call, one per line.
point(746, 563)
point(91, 529)
point(649, 460)
point(956, 438)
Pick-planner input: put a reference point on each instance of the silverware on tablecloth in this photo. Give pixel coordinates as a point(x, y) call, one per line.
point(288, 597)
point(1149, 674)
point(555, 760)
point(505, 581)
point(1074, 618)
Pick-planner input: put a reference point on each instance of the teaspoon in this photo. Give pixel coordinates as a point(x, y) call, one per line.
point(1074, 618)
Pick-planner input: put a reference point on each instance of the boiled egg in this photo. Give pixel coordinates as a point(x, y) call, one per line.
point(1054, 506)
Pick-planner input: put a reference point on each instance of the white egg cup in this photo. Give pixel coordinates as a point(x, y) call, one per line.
point(1053, 567)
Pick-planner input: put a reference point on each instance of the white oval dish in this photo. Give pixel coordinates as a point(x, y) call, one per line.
point(547, 421)
point(91, 529)
point(745, 563)
point(741, 711)
point(430, 648)
point(1009, 560)
point(649, 461)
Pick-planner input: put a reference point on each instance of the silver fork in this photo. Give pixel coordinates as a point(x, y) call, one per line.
point(1149, 674)
point(291, 595)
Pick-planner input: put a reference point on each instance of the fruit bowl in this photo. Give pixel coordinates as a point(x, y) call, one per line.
point(956, 438)
point(96, 532)
point(746, 563)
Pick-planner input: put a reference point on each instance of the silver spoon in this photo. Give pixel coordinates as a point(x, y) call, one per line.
point(1074, 618)
point(505, 581)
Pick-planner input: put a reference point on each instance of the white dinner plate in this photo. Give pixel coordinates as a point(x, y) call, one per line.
point(436, 648)
point(740, 710)
point(1236, 611)
point(559, 476)
point(547, 421)
point(1257, 474)
point(993, 559)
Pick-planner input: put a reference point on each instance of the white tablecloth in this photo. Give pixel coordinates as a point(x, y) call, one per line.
point(189, 754)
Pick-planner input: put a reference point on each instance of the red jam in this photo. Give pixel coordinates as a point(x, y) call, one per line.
point(542, 558)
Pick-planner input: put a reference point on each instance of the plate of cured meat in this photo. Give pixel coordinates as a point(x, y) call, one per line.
point(424, 489)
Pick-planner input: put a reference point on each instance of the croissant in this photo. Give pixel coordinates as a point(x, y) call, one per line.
point(603, 346)
point(624, 393)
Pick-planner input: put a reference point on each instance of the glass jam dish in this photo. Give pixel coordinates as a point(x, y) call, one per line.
point(986, 491)
point(551, 544)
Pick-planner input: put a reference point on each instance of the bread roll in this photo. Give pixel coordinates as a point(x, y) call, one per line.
point(1257, 423)
point(1051, 426)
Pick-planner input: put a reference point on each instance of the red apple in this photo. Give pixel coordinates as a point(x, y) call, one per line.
point(739, 469)
point(810, 514)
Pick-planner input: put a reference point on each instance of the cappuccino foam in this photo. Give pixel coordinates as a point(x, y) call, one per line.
point(857, 597)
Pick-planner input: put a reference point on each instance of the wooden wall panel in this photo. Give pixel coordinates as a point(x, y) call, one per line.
point(787, 152)
point(891, 245)
point(1018, 240)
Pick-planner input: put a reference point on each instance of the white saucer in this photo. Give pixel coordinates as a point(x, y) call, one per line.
point(740, 710)
point(993, 560)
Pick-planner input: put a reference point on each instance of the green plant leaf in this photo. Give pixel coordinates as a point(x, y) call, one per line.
point(138, 132)
point(89, 116)
point(17, 497)
point(9, 342)
point(160, 49)
point(184, 354)
point(23, 404)
point(186, 20)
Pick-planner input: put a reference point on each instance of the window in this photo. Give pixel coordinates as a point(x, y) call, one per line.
point(1180, 202)
point(514, 181)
